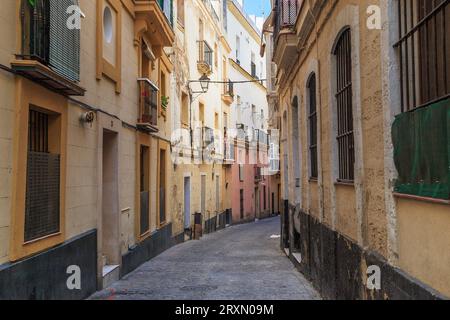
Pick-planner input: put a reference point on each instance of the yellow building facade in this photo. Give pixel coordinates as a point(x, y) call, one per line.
point(350, 203)
point(86, 173)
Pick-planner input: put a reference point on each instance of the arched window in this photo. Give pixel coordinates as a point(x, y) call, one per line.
point(344, 103)
point(295, 142)
point(312, 119)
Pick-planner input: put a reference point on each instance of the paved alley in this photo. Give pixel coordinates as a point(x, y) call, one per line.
point(241, 262)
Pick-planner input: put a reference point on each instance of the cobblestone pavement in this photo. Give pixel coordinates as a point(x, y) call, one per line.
point(240, 262)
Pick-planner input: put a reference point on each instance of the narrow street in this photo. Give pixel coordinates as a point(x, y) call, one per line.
point(241, 262)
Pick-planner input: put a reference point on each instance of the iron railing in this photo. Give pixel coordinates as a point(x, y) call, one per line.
point(423, 47)
point(167, 8)
point(228, 88)
point(205, 53)
point(35, 21)
point(286, 14)
point(211, 10)
point(148, 102)
point(345, 139)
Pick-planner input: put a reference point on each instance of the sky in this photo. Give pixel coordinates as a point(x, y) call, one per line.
point(256, 6)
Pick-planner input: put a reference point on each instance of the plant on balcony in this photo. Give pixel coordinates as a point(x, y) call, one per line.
point(164, 102)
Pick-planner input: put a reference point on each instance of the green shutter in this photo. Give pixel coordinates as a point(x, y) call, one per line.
point(64, 42)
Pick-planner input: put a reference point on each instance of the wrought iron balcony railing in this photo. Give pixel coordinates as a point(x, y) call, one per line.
point(148, 104)
point(167, 7)
point(228, 88)
point(35, 30)
point(205, 56)
point(286, 14)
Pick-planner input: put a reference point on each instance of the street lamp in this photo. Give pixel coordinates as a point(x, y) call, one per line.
point(204, 83)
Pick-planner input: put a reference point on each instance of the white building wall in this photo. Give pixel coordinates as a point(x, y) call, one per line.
point(247, 94)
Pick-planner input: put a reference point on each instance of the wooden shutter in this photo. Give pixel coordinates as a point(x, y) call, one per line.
point(64, 42)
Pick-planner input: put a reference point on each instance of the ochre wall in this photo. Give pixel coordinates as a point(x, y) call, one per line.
point(424, 242)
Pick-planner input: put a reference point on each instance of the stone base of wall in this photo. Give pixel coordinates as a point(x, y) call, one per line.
point(151, 247)
point(337, 266)
point(44, 276)
point(216, 223)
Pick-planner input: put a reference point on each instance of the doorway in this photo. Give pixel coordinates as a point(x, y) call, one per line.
point(110, 195)
point(203, 196)
point(257, 196)
point(241, 203)
point(187, 203)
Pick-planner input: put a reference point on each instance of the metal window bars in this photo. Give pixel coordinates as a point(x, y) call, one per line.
point(205, 53)
point(42, 203)
point(345, 138)
point(423, 48)
point(35, 20)
point(313, 127)
point(148, 102)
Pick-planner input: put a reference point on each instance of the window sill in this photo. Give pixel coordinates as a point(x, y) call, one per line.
point(313, 180)
point(422, 199)
point(345, 183)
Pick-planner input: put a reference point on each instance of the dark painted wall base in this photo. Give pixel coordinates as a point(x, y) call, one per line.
point(218, 223)
point(44, 276)
point(334, 264)
point(151, 247)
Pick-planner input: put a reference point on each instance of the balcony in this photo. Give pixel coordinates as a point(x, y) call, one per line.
point(205, 58)
point(228, 150)
point(228, 92)
point(155, 17)
point(209, 6)
point(148, 106)
point(50, 51)
point(286, 12)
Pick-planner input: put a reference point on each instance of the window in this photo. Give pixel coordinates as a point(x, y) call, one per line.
point(184, 109)
point(42, 203)
point(241, 203)
point(216, 56)
point(254, 114)
point(265, 198)
point(144, 189)
point(241, 172)
point(295, 142)
point(164, 94)
point(345, 139)
point(423, 47)
point(201, 35)
point(216, 121)
point(238, 50)
point(253, 66)
point(201, 114)
point(312, 126)
point(262, 118)
point(47, 39)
